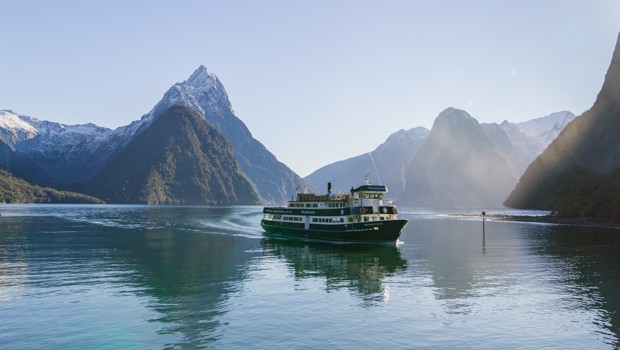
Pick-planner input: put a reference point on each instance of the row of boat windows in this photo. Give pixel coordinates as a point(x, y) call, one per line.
point(329, 220)
point(315, 205)
point(324, 220)
point(373, 196)
point(288, 218)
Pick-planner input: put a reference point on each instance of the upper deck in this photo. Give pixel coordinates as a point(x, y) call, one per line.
point(367, 194)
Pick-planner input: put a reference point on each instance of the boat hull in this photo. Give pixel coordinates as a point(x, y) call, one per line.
point(371, 231)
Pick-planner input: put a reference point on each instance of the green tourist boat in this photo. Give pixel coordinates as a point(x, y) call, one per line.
point(361, 216)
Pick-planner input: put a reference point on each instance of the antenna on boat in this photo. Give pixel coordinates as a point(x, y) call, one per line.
point(367, 179)
point(375, 165)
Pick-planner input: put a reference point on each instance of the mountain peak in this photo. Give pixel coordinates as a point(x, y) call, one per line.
point(203, 77)
point(608, 96)
point(452, 121)
point(455, 115)
point(202, 92)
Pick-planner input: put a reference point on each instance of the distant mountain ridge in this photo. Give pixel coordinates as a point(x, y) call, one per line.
point(54, 153)
point(73, 156)
point(390, 160)
point(393, 159)
point(579, 173)
point(521, 143)
point(65, 156)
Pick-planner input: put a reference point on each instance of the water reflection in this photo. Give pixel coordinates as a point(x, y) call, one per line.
point(360, 268)
point(464, 262)
point(588, 260)
point(188, 275)
point(115, 277)
point(166, 260)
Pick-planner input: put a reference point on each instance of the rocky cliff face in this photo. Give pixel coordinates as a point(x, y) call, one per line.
point(580, 160)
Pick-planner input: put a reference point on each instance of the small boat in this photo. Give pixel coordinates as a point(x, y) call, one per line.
point(360, 216)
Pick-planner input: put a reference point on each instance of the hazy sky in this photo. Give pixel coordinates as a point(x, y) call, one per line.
point(314, 81)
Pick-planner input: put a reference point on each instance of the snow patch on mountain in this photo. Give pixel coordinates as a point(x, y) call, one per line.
point(529, 139)
point(547, 128)
point(13, 129)
point(23, 132)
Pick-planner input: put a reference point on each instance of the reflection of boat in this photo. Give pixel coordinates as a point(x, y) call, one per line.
point(361, 268)
point(361, 216)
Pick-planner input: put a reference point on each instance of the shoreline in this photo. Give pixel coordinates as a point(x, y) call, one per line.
point(547, 219)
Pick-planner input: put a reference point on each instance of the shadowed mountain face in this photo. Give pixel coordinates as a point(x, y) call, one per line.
point(178, 159)
point(457, 167)
point(205, 94)
point(391, 159)
point(577, 174)
point(6, 155)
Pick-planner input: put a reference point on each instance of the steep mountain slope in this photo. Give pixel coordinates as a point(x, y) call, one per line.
point(457, 167)
point(580, 164)
point(392, 158)
point(178, 159)
point(204, 93)
point(501, 143)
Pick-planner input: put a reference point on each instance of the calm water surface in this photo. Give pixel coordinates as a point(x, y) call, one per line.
point(134, 277)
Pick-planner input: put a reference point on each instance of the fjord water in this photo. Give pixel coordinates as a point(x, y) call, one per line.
point(136, 277)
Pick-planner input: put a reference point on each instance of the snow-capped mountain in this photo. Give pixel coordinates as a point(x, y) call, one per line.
point(54, 153)
point(14, 129)
point(204, 93)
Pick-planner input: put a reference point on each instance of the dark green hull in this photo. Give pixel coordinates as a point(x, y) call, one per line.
point(370, 231)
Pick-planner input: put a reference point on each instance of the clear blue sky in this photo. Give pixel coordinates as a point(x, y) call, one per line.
point(314, 81)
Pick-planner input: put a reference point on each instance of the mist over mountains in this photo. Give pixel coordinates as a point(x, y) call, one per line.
point(458, 163)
